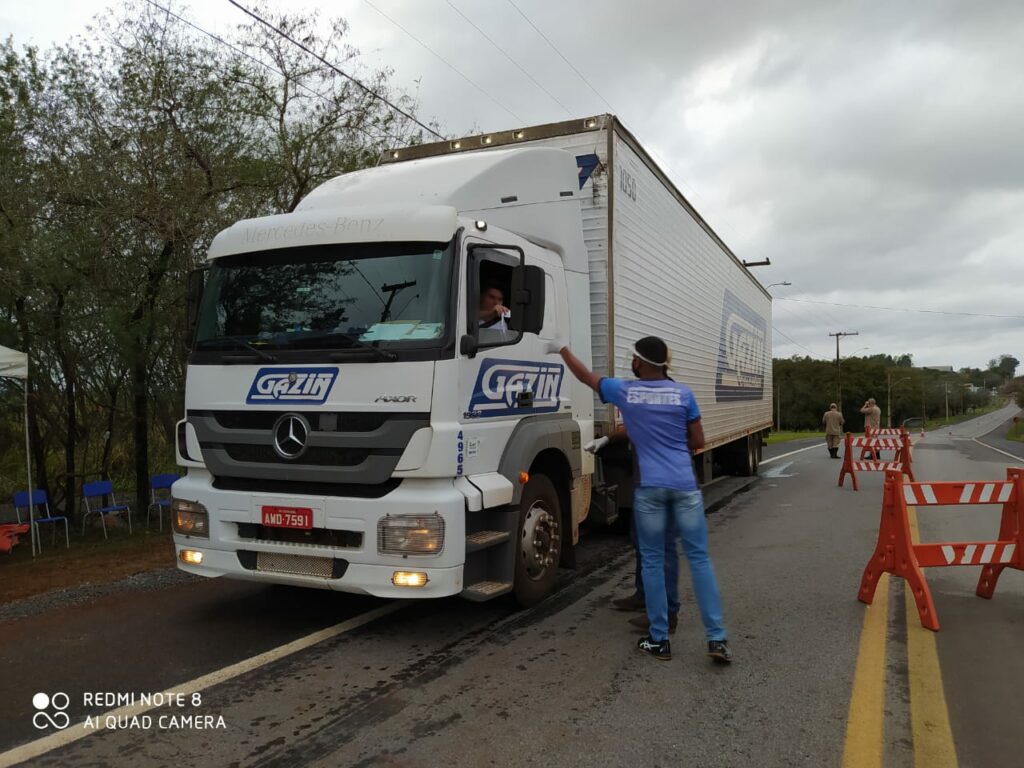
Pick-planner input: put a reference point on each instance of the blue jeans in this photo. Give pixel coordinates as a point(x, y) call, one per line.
point(671, 561)
point(653, 508)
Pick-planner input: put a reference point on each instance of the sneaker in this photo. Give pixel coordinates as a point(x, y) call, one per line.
point(642, 622)
point(661, 651)
point(634, 602)
point(719, 651)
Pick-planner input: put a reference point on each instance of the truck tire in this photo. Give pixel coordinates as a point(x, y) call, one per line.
point(538, 541)
point(746, 455)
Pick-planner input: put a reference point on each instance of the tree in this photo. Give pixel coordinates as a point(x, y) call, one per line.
point(1005, 366)
point(120, 158)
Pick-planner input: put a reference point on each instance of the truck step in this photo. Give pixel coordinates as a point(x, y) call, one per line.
point(484, 539)
point(486, 590)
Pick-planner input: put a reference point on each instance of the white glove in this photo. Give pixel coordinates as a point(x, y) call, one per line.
point(596, 445)
point(555, 345)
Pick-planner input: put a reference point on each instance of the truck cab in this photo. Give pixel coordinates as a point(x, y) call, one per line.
point(358, 418)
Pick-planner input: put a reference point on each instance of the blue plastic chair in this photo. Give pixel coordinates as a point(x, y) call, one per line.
point(96, 491)
point(160, 496)
point(40, 499)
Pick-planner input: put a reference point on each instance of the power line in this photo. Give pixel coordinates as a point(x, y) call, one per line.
point(555, 49)
point(257, 61)
point(324, 61)
point(808, 316)
point(507, 56)
point(793, 341)
point(650, 148)
point(902, 309)
point(445, 61)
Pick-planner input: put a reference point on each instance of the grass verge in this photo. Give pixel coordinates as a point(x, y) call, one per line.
point(785, 436)
point(90, 560)
point(960, 418)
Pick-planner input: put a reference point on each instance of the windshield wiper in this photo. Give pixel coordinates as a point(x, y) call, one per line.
point(357, 343)
point(239, 343)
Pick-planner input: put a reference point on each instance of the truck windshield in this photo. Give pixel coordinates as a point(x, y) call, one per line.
point(328, 297)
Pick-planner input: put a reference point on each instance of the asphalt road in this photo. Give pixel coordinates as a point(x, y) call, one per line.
point(455, 683)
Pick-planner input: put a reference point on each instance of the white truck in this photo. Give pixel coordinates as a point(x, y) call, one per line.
point(351, 422)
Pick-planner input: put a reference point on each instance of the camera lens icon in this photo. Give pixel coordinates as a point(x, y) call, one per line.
point(43, 719)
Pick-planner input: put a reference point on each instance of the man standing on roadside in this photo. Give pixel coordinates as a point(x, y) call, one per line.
point(663, 422)
point(873, 419)
point(833, 422)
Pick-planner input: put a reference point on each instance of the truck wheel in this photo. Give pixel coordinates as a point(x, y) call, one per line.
point(538, 542)
point(746, 457)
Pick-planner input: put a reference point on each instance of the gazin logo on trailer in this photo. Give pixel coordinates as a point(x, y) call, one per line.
point(500, 381)
point(741, 352)
point(291, 385)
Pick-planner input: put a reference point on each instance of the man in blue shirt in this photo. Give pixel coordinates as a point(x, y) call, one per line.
point(663, 423)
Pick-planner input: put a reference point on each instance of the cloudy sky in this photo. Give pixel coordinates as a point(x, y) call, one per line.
point(872, 150)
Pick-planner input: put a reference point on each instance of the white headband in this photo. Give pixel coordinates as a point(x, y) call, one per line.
point(666, 364)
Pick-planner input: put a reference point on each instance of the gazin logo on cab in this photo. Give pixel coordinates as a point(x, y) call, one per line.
point(500, 382)
point(310, 386)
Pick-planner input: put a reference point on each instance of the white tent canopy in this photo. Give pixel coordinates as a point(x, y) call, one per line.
point(14, 365)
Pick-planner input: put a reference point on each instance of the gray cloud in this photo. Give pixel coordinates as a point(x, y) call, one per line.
point(869, 149)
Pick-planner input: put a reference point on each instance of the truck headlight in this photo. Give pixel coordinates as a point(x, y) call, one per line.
point(410, 534)
point(190, 518)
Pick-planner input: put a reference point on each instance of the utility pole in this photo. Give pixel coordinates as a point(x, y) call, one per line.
point(888, 393)
point(839, 368)
point(947, 402)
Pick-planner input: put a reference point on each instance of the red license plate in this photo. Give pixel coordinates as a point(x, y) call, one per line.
point(288, 517)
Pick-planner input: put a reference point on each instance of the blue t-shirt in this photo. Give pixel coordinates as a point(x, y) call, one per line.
point(657, 414)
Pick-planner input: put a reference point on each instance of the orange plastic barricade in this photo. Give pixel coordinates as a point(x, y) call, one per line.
point(9, 535)
point(896, 553)
point(851, 466)
point(899, 432)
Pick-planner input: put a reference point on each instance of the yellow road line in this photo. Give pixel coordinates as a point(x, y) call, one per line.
point(865, 725)
point(929, 716)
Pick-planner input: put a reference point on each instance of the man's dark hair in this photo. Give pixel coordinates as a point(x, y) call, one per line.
point(654, 349)
point(493, 285)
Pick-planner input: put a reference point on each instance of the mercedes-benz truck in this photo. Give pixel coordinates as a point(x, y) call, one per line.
point(359, 418)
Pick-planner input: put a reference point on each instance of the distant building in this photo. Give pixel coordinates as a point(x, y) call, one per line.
point(942, 368)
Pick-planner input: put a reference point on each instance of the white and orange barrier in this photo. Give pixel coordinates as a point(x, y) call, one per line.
point(897, 432)
point(851, 466)
point(896, 552)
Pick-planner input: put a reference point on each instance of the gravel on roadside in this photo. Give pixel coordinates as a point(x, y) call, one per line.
point(161, 578)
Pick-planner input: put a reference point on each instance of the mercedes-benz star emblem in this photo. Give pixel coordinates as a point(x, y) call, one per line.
point(290, 434)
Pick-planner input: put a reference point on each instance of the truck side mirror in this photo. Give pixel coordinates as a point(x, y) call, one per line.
point(193, 297)
point(527, 303)
point(468, 346)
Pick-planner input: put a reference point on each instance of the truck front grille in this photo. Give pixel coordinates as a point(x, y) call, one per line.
point(296, 565)
point(314, 537)
point(342, 447)
point(302, 488)
point(322, 421)
point(317, 457)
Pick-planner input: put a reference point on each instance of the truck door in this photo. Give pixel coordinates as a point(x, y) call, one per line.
point(508, 376)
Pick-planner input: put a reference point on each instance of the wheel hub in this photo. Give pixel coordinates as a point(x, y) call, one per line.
point(540, 541)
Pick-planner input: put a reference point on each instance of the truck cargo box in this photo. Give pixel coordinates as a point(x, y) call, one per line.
point(656, 268)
